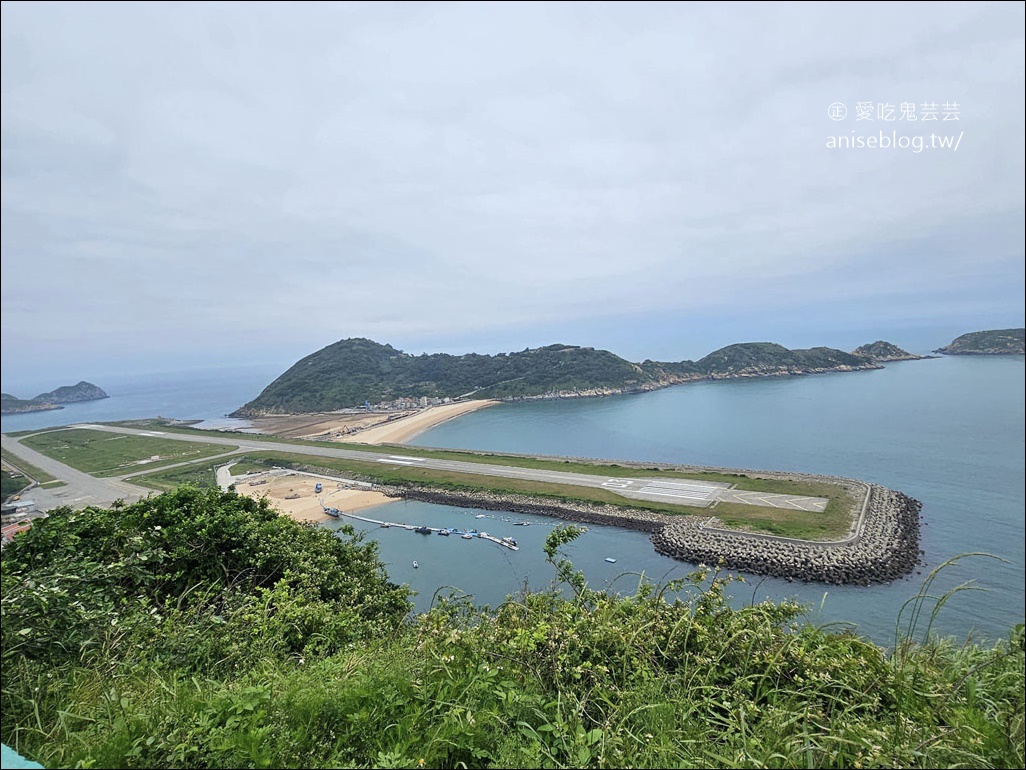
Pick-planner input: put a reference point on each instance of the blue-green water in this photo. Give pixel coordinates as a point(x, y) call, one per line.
point(949, 432)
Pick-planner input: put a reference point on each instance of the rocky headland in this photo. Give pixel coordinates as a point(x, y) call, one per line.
point(54, 399)
point(996, 342)
point(881, 352)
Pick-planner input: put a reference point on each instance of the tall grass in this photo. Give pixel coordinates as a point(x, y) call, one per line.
point(558, 678)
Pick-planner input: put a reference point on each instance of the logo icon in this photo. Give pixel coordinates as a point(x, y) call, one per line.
point(837, 111)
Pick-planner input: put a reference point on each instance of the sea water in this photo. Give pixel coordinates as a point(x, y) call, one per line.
point(949, 432)
point(207, 394)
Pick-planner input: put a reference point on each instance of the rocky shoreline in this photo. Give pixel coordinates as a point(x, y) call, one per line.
point(883, 544)
point(755, 372)
point(885, 548)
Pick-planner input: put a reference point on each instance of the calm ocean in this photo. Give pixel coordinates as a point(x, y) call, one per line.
point(949, 432)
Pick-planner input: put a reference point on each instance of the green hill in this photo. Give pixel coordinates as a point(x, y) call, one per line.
point(67, 394)
point(996, 342)
point(761, 359)
point(13, 405)
point(350, 372)
point(881, 351)
point(70, 394)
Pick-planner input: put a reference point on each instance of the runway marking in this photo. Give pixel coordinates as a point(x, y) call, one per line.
point(683, 485)
point(666, 493)
point(411, 459)
point(394, 462)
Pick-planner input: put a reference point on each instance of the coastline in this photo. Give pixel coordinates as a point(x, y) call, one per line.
point(405, 428)
point(293, 493)
point(883, 545)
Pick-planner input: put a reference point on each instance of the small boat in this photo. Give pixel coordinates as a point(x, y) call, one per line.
point(333, 512)
point(467, 536)
point(521, 523)
point(444, 532)
point(385, 525)
point(510, 540)
point(480, 516)
point(611, 560)
point(415, 565)
point(423, 530)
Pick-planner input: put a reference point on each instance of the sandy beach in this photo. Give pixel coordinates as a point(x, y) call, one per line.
point(322, 426)
point(402, 430)
point(363, 427)
point(294, 494)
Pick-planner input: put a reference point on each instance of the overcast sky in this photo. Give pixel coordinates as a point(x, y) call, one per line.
point(192, 184)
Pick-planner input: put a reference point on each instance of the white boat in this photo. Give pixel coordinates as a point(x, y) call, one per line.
point(611, 560)
point(415, 565)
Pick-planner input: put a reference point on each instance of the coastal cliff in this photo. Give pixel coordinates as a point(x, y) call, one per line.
point(996, 342)
point(354, 372)
point(66, 394)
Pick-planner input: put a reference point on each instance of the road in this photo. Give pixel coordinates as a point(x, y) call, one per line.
point(680, 492)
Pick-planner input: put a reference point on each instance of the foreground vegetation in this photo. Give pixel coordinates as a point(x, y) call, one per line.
point(199, 629)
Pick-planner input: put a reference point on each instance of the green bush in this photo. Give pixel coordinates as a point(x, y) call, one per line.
point(199, 629)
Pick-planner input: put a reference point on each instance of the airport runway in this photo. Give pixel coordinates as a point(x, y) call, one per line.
point(674, 491)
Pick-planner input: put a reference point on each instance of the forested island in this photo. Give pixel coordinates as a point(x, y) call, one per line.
point(352, 372)
point(996, 342)
point(882, 352)
point(54, 399)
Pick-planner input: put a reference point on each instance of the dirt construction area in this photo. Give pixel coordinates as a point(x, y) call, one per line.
point(295, 495)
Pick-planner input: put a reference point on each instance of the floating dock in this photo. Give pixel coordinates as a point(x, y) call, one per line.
point(505, 542)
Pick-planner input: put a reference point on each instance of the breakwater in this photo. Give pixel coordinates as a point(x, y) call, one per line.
point(882, 546)
point(885, 547)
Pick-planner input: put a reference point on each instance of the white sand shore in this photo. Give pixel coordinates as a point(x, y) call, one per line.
point(402, 430)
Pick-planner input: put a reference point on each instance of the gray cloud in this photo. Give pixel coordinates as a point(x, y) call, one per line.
point(278, 176)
